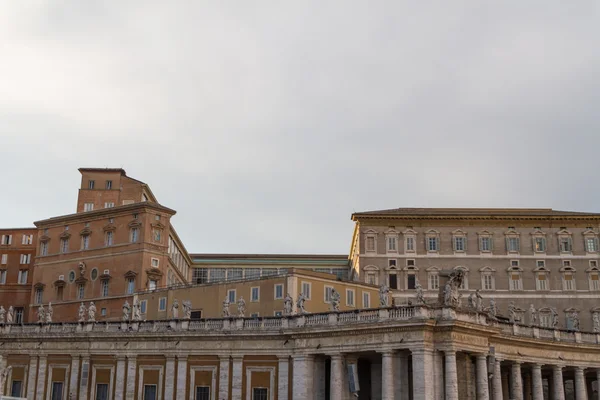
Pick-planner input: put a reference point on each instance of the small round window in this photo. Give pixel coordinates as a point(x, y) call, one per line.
point(71, 276)
point(94, 274)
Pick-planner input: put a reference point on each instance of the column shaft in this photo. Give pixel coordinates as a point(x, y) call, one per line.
point(422, 361)
point(482, 378)
point(557, 378)
point(224, 377)
point(516, 390)
point(336, 381)
point(451, 376)
point(74, 378)
point(236, 378)
point(181, 377)
point(438, 375)
point(120, 378)
point(303, 378)
point(580, 390)
point(84, 379)
point(169, 378)
point(41, 376)
point(537, 383)
point(497, 380)
point(387, 376)
point(283, 373)
point(31, 375)
point(131, 375)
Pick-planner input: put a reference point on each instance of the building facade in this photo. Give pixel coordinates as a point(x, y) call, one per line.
point(540, 257)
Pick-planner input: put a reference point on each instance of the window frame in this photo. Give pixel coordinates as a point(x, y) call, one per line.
point(80, 291)
point(252, 289)
point(366, 295)
point(309, 286)
point(348, 302)
point(515, 271)
point(327, 293)
point(275, 288)
point(229, 297)
point(488, 272)
point(38, 296)
point(104, 288)
point(162, 304)
point(23, 273)
point(432, 237)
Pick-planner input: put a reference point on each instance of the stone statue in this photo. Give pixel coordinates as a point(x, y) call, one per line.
point(287, 305)
point(420, 295)
point(512, 314)
point(532, 315)
point(226, 307)
point(2, 315)
point(81, 268)
point(596, 321)
point(82, 312)
point(478, 301)
point(554, 318)
point(10, 315)
point(41, 313)
point(335, 300)
point(175, 309)
point(493, 310)
point(137, 311)
point(49, 313)
point(300, 304)
point(126, 311)
point(471, 302)
point(384, 299)
point(574, 316)
point(187, 309)
point(92, 312)
point(241, 306)
point(3, 375)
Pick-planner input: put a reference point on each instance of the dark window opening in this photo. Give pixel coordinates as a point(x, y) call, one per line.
point(411, 281)
point(393, 281)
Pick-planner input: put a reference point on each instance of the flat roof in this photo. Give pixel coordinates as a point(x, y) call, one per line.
point(472, 212)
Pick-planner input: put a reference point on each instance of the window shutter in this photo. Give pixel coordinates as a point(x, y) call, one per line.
point(465, 244)
point(506, 239)
point(9, 239)
point(595, 244)
point(454, 239)
point(24, 239)
point(570, 241)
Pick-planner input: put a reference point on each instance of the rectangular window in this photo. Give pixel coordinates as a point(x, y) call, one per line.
point(25, 258)
point(162, 304)
point(109, 204)
point(85, 242)
point(152, 284)
point(432, 243)
point(143, 306)
point(566, 263)
point(91, 184)
point(541, 282)
point(260, 393)
point(545, 320)
point(130, 285)
point(104, 287)
point(278, 291)
point(393, 281)
point(80, 291)
point(23, 277)
point(515, 281)
point(2, 276)
point(16, 389)
point(6, 239)
point(154, 262)
point(541, 263)
point(366, 300)
point(27, 239)
point(44, 248)
point(103, 312)
point(370, 243)
point(328, 294)
point(38, 296)
point(88, 207)
point(306, 289)
point(134, 234)
point(350, 297)
point(565, 245)
point(231, 295)
point(4, 259)
point(19, 315)
point(202, 393)
point(254, 294)
point(149, 392)
point(252, 273)
point(371, 278)
point(594, 282)
point(539, 244)
point(57, 391)
point(485, 244)
point(235, 274)
point(200, 275)
point(434, 281)
point(410, 244)
point(488, 282)
point(157, 234)
point(108, 239)
point(108, 185)
point(391, 242)
point(217, 274)
point(411, 281)
point(591, 245)
point(64, 245)
point(569, 281)
point(512, 244)
point(460, 243)
point(59, 292)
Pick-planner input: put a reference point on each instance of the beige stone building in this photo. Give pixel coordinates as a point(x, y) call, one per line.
point(540, 257)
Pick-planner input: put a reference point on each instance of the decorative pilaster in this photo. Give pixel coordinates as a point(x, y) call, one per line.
point(516, 390)
point(181, 377)
point(557, 377)
point(482, 377)
point(74, 379)
point(451, 375)
point(387, 376)
point(131, 375)
point(223, 377)
point(580, 389)
point(537, 384)
point(283, 374)
point(497, 380)
point(236, 378)
point(84, 379)
point(336, 382)
point(32, 374)
point(41, 376)
point(169, 378)
point(422, 362)
point(303, 377)
point(120, 378)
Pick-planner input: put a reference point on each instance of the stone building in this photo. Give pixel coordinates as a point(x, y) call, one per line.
point(17, 256)
point(540, 257)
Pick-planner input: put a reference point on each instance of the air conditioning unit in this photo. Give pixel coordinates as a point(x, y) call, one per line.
point(106, 272)
point(61, 277)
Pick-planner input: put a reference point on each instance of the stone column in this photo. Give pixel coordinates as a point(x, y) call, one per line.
point(169, 378)
point(236, 377)
point(482, 377)
point(181, 377)
point(74, 378)
point(401, 376)
point(497, 380)
point(422, 362)
point(85, 378)
point(302, 381)
point(516, 390)
point(319, 377)
point(580, 390)
point(438, 375)
point(537, 383)
point(131, 375)
point(31, 375)
point(41, 376)
point(387, 376)
point(336, 381)
point(120, 378)
point(557, 377)
point(283, 373)
point(223, 377)
point(451, 375)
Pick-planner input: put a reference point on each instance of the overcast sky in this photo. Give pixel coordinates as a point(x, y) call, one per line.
point(266, 124)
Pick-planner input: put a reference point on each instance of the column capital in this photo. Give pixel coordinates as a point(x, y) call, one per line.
point(557, 367)
point(182, 357)
point(303, 356)
point(480, 355)
point(421, 351)
point(580, 368)
point(386, 353)
point(224, 358)
point(170, 357)
point(536, 365)
point(237, 358)
point(120, 357)
point(283, 358)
